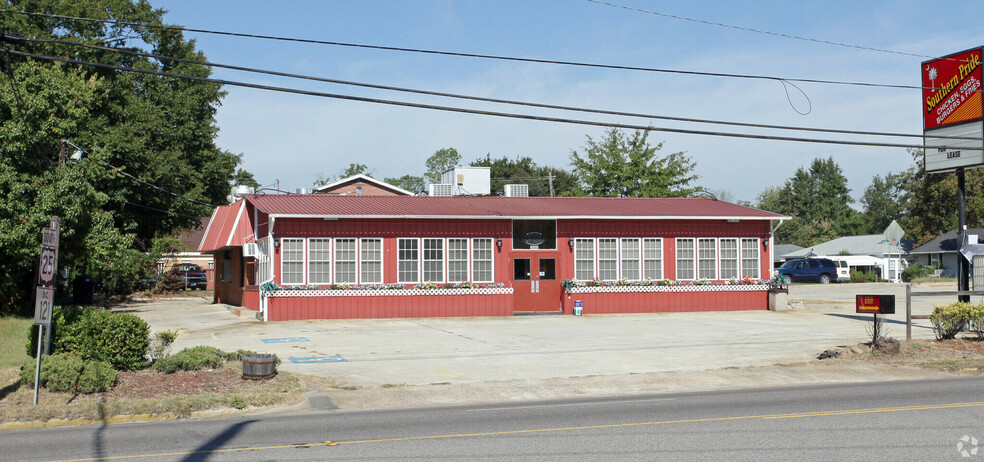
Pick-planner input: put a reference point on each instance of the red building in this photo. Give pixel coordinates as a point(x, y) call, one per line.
point(319, 256)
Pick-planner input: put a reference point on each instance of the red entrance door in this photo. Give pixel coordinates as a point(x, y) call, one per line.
point(535, 284)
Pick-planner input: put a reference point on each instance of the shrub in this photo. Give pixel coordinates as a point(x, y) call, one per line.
point(199, 357)
point(949, 320)
point(66, 372)
point(120, 339)
point(975, 320)
point(160, 345)
point(862, 276)
point(915, 271)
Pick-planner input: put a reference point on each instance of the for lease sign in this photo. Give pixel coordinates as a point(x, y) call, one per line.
point(952, 89)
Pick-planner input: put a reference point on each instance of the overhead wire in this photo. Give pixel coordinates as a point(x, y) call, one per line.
point(463, 54)
point(124, 173)
point(466, 110)
point(479, 98)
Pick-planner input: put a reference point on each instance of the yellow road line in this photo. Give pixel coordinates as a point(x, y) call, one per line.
point(560, 429)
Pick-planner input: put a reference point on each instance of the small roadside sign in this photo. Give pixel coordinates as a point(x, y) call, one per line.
point(46, 277)
point(875, 304)
point(42, 307)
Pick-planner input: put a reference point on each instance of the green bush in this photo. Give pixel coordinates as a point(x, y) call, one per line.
point(862, 276)
point(120, 339)
point(949, 320)
point(915, 271)
point(199, 357)
point(160, 345)
point(975, 320)
point(66, 372)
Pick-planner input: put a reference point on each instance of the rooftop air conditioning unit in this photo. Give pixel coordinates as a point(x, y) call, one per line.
point(440, 190)
point(249, 250)
point(517, 190)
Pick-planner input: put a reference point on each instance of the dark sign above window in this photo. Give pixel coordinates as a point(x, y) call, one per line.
point(533, 238)
point(534, 234)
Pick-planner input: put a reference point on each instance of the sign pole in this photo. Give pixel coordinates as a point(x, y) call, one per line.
point(963, 266)
point(874, 323)
point(37, 366)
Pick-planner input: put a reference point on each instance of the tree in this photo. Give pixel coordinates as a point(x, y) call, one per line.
point(819, 201)
point(439, 162)
point(621, 166)
point(884, 201)
point(414, 184)
point(159, 130)
point(930, 200)
point(523, 170)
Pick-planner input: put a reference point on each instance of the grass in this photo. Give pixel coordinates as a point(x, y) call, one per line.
point(925, 280)
point(13, 341)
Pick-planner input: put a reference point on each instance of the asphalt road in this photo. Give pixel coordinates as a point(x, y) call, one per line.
point(916, 420)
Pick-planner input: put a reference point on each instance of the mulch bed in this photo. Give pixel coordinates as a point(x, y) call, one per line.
point(150, 384)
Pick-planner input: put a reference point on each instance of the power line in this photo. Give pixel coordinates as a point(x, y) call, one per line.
point(465, 55)
point(153, 208)
point(483, 99)
point(465, 110)
point(120, 171)
point(759, 31)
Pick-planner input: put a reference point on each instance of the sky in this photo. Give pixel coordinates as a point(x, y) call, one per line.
point(293, 139)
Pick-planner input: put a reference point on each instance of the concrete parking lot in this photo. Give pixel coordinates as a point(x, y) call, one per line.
point(372, 353)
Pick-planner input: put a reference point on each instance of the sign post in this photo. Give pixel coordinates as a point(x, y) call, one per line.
point(875, 304)
point(45, 294)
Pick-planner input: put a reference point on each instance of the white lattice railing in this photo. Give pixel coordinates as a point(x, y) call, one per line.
point(389, 292)
point(674, 288)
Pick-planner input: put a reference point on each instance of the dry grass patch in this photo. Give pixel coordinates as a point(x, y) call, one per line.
point(963, 356)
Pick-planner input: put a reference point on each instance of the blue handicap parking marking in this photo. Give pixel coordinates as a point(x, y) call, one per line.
point(318, 359)
point(285, 340)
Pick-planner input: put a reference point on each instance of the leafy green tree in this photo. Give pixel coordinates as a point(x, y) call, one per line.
point(439, 162)
point(159, 130)
point(523, 170)
point(356, 169)
point(628, 166)
point(414, 184)
point(931, 201)
point(819, 201)
point(884, 201)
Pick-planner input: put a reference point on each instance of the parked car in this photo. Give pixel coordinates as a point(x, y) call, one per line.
point(822, 270)
point(843, 271)
point(192, 276)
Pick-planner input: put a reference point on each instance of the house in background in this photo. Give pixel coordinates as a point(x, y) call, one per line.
point(191, 239)
point(870, 253)
point(943, 251)
point(361, 185)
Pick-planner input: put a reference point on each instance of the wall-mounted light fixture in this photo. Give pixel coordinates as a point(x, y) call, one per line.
point(498, 243)
point(570, 243)
point(765, 243)
point(276, 242)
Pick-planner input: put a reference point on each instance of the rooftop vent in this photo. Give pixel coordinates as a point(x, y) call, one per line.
point(517, 190)
point(440, 190)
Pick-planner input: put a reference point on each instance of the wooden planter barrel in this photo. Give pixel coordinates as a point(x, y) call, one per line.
point(259, 366)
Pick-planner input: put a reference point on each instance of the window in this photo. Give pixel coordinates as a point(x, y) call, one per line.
point(584, 259)
point(345, 260)
point(408, 261)
point(534, 234)
point(630, 259)
point(319, 261)
point(371, 261)
point(707, 258)
point(685, 259)
point(652, 258)
point(729, 258)
point(291, 261)
point(434, 260)
point(750, 258)
point(264, 267)
point(608, 259)
point(482, 260)
point(457, 260)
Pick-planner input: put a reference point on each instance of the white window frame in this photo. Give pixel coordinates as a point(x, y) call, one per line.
point(310, 260)
point(417, 260)
point(264, 265)
point(736, 259)
point(598, 258)
point(702, 262)
point(622, 259)
point(645, 267)
point(424, 260)
point(758, 257)
point(581, 243)
point(692, 258)
point(466, 260)
point(474, 260)
point(302, 261)
point(362, 261)
point(336, 260)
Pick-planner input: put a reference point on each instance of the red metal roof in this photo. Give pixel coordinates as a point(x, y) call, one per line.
point(230, 226)
point(478, 207)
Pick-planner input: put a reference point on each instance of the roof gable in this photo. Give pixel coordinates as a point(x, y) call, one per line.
point(360, 178)
point(947, 243)
point(875, 245)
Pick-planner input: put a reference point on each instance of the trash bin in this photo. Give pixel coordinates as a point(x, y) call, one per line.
point(83, 290)
point(259, 366)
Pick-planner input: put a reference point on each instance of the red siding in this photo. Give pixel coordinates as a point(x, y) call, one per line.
point(422, 306)
point(251, 298)
point(666, 302)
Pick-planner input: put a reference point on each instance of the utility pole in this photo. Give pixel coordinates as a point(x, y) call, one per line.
point(61, 153)
point(550, 178)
